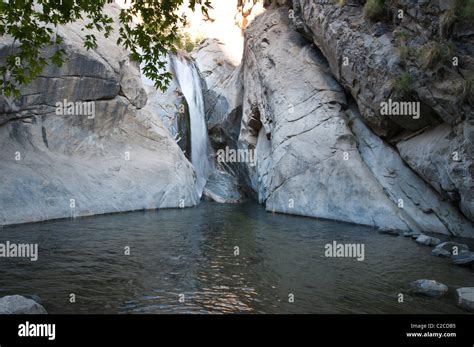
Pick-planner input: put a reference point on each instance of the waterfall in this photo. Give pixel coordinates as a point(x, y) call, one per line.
point(190, 84)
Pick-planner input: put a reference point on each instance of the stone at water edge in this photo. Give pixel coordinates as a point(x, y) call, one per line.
point(440, 252)
point(429, 288)
point(464, 259)
point(388, 231)
point(427, 240)
point(17, 304)
point(446, 249)
point(465, 298)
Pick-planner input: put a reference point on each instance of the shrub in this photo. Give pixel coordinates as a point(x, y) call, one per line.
point(434, 53)
point(402, 85)
point(187, 42)
point(430, 54)
point(374, 9)
point(465, 9)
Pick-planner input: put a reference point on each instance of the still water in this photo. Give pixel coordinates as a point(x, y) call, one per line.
point(193, 252)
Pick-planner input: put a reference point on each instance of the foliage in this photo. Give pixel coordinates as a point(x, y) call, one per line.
point(32, 25)
point(435, 52)
point(374, 9)
point(403, 85)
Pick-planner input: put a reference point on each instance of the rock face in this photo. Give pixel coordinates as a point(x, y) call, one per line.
point(443, 157)
point(428, 288)
point(17, 304)
point(172, 108)
point(373, 49)
point(121, 158)
point(222, 92)
point(315, 155)
point(421, 206)
point(223, 187)
point(422, 57)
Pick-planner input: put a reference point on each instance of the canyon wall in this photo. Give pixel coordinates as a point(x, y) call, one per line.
point(299, 82)
point(316, 155)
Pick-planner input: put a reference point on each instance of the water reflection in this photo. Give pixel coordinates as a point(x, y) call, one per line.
point(190, 254)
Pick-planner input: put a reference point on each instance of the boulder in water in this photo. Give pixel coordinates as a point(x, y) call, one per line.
point(446, 249)
point(17, 304)
point(427, 240)
point(465, 298)
point(429, 288)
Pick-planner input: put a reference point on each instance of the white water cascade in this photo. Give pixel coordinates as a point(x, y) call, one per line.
point(189, 82)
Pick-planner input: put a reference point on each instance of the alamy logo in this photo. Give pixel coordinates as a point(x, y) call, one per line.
point(78, 108)
point(400, 108)
point(345, 250)
point(19, 250)
point(37, 330)
point(229, 155)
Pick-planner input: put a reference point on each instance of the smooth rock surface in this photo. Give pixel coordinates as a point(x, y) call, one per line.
point(316, 159)
point(57, 166)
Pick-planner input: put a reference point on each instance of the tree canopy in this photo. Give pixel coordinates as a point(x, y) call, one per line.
point(33, 26)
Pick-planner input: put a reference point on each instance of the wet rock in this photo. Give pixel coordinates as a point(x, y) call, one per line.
point(17, 304)
point(429, 288)
point(439, 252)
point(465, 298)
point(427, 240)
point(452, 248)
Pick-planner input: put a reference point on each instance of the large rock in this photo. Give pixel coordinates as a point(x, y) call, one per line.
point(465, 298)
point(369, 57)
point(420, 205)
point(223, 187)
point(17, 304)
point(450, 249)
point(427, 240)
point(428, 288)
point(313, 157)
point(293, 115)
point(56, 166)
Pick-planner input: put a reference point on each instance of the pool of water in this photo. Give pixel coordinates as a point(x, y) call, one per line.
point(191, 254)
